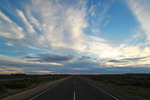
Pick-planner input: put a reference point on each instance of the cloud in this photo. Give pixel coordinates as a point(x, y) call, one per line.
point(80, 68)
point(95, 31)
point(134, 59)
point(29, 27)
point(128, 59)
point(9, 29)
point(50, 58)
point(57, 21)
point(55, 58)
point(16, 69)
point(134, 62)
point(56, 27)
point(141, 11)
point(116, 61)
point(59, 27)
point(3, 16)
point(7, 60)
point(84, 58)
point(21, 53)
point(98, 11)
point(10, 69)
point(42, 72)
point(8, 48)
point(96, 45)
point(33, 20)
point(16, 66)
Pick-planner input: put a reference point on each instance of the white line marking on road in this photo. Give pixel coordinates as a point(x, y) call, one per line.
point(45, 91)
point(74, 96)
point(103, 91)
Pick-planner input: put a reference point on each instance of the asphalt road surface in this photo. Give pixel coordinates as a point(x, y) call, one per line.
point(74, 88)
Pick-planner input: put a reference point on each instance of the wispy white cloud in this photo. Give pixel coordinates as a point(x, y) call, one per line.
point(63, 29)
point(56, 26)
point(5, 17)
point(29, 27)
point(33, 19)
point(140, 9)
point(61, 26)
point(9, 29)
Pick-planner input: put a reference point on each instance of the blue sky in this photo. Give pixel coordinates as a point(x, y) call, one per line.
point(79, 36)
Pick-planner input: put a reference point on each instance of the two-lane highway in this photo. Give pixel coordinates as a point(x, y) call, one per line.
point(74, 88)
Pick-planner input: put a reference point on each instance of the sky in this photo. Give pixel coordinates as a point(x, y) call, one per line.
point(74, 36)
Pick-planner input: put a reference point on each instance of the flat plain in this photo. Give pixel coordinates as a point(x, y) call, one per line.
point(16, 83)
point(136, 84)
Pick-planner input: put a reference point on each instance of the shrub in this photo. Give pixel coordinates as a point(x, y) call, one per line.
point(16, 84)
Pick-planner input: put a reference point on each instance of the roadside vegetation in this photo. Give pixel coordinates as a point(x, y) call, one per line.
point(136, 84)
point(12, 84)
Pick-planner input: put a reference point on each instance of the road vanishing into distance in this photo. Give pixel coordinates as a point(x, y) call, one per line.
point(74, 88)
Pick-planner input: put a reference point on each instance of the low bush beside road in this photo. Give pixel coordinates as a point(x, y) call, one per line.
point(12, 84)
point(136, 84)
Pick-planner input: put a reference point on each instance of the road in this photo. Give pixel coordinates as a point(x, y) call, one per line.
point(74, 88)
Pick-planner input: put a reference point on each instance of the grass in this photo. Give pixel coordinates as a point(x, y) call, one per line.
point(11, 84)
point(137, 84)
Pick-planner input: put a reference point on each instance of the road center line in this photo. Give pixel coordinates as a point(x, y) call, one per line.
point(74, 96)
